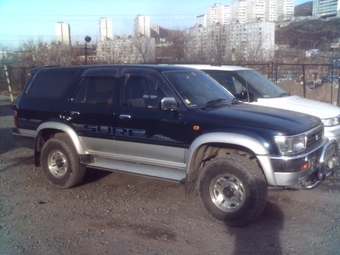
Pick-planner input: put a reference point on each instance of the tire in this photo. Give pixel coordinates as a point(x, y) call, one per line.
point(232, 190)
point(59, 161)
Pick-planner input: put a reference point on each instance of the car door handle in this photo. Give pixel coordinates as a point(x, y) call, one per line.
point(74, 113)
point(124, 117)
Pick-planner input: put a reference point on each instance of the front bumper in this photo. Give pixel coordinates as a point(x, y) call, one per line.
point(308, 170)
point(333, 133)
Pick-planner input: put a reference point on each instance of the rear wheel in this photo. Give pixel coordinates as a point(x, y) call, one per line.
point(232, 190)
point(60, 163)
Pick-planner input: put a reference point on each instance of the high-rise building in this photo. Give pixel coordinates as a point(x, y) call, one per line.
point(142, 25)
point(285, 9)
point(219, 14)
point(270, 13)
point(325, 7)
point(252, 41)
point(239, 11)
point(201, 20)
point(244, 11)
point(105, 29)
point(63, 33)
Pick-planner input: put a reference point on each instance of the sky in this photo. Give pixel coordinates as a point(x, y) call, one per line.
point(22, 20)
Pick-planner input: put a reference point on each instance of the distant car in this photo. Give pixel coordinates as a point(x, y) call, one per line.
point(249, 85)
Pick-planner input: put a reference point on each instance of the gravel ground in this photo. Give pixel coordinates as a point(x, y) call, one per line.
point(113, 213)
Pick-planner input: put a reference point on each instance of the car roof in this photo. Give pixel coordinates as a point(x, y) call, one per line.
point(119, 66)
point(215, 67)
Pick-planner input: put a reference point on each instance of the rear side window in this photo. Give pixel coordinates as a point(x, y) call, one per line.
point(50, 83)
point(96, 90)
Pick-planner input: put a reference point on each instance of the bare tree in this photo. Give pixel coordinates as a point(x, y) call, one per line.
point(217, 45)
point(38, 53)
point(179, 42)
point(145, 47)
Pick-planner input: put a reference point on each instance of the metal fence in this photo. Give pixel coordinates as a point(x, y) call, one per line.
point(314, 81)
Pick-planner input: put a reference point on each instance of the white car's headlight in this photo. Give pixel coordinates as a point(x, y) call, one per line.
point(289, 145)
point(330, 122)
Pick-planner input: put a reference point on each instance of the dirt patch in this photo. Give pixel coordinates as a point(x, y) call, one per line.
point(113, 213)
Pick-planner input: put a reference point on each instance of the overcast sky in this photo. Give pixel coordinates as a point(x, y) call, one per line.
point(35, 19)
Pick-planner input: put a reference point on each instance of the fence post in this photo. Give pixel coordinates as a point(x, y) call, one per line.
point(304, 80)
point(8, 83)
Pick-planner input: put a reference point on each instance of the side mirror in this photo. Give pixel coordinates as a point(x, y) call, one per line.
point(168, 104)
point(244, 96)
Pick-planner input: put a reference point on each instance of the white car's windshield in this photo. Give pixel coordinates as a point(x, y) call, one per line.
point(238, 82)
point(261, 85)
point(198, 89)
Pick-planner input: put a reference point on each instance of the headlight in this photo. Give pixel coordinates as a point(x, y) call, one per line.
point(330, 122)
point(289, 145)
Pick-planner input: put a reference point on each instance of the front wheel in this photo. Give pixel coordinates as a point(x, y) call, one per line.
point(232, 190)
point(60, 163)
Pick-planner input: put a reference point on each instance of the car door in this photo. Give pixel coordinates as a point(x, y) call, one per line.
point(92, 113)
point(144, 132)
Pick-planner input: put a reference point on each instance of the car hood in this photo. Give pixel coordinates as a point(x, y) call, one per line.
point(264, 118)
point(298, 104)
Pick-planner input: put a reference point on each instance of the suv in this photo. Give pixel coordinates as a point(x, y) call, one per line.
point(250, 86)
point(172, 123)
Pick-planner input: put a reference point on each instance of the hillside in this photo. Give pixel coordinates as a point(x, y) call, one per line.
point(304, 10)
point(309, 34)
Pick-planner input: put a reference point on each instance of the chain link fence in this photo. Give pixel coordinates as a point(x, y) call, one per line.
point(314, 81)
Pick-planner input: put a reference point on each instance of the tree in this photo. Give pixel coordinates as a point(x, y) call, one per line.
point(38, 53)
point(179, 42)
point(145, 47)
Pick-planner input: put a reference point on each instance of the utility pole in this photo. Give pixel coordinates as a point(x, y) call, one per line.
point(87, 40)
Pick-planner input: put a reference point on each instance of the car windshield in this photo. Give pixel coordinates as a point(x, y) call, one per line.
point(262, 86)
point(237, 82)
point(197, 89)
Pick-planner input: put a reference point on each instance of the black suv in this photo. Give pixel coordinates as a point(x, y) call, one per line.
point(173, 123)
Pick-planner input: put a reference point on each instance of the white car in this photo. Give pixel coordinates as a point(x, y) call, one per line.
point(249, 85)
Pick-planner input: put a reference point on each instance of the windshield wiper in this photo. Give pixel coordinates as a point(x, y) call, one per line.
point(215, 101)
point(236, 101)
point(284, 94)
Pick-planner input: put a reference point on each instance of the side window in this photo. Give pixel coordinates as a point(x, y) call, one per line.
point(142, 91)
point(226, 80)
point(96, 91)
point(134, 91)
point(51, 83)
point(238, 87)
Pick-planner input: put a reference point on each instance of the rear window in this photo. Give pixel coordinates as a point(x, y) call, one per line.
point(50, 83)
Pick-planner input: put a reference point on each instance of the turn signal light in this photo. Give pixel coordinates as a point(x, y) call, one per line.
point(305, 166)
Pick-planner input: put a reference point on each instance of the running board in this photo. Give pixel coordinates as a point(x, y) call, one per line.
point(170, 174)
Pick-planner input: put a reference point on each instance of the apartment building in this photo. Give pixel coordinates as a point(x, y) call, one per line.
point(244, 11)
point(63, 33)
point(240, 10)
point(285, 10)
point(325, 7)
point(126, 49)
point(105, 29)
point(201, 20)
point(218, 14)
point(142, 25)
point(252, 41)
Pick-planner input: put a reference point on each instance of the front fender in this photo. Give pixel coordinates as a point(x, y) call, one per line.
point(66, 129)
point(236, 139)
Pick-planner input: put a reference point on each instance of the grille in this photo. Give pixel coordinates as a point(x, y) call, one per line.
point(314, 137)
